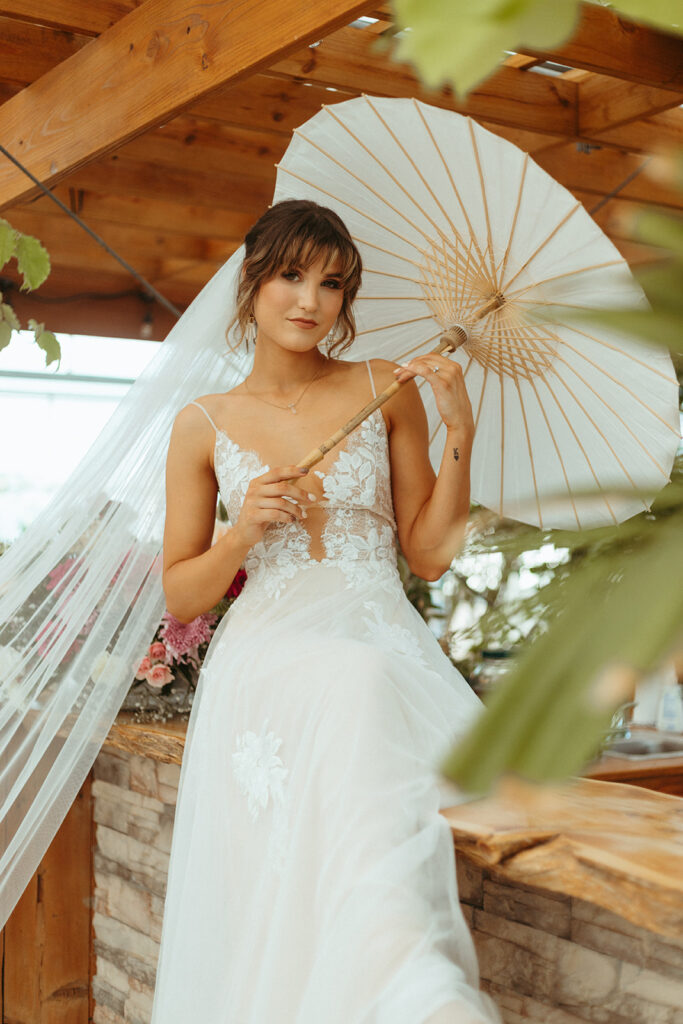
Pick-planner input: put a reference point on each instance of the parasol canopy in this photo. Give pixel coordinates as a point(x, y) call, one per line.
point(575, 426)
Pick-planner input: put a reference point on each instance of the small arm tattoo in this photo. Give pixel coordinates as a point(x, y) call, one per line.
point(456, 454)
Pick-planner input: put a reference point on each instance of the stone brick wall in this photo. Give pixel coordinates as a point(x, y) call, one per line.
point(545, 958)
point(134, 802)
point(558, 960)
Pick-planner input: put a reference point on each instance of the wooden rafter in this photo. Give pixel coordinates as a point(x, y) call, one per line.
point(606, 103)
point(157, 60)
point(605, 43)
point(69, 15)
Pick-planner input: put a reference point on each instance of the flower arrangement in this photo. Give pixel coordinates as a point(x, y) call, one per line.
point(166, 676)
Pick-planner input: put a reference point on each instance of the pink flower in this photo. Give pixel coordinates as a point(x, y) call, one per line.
point(182, 639)
point(157, 651)
point(158, 675)
point(143, 668)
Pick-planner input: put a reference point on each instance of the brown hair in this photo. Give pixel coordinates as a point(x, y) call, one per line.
point(292, 235)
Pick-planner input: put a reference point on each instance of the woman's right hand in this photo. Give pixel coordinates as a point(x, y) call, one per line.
point(272, 497)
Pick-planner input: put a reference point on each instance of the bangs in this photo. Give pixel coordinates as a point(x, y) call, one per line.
point(303, 246)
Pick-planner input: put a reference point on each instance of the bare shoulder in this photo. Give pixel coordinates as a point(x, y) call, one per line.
point(406, 402)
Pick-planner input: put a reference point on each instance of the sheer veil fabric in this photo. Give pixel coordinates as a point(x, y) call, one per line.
point(80, 590)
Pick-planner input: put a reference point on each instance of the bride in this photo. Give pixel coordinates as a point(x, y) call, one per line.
point(312, 878)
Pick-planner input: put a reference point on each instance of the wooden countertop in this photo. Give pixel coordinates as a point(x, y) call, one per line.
point(614, 845)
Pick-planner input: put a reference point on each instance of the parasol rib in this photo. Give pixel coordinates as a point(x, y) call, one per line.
point(409, 195)
point(620, 418)
point(561, 277)
point(600, 432)
point(567, 216)
point(531, 453)
point(619, 383)
point(489, 238)
point(583, 450)
point(623, 352)
point(508, 248)
point(350, 206)
point(416, 168)
point(501, 381)
point(447, 169)
point(357, 178)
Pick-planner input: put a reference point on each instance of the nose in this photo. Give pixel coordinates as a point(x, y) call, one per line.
point(308, 295)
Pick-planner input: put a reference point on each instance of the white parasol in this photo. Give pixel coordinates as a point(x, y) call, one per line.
point(457, 226)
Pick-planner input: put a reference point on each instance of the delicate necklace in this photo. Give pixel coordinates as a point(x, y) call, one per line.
point(290, 405)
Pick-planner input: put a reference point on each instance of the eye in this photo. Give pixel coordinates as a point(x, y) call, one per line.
point(290, 275)
point(332, 283)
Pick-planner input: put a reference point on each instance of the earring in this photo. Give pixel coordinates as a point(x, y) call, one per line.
point(250, 332)
point(331, 338)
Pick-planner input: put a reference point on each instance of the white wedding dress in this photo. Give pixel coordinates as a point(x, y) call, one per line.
point(312, 878)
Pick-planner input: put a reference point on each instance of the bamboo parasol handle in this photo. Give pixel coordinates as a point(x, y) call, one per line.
point(451, 340)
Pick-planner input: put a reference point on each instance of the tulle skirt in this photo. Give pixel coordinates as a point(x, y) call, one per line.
point(312, 878)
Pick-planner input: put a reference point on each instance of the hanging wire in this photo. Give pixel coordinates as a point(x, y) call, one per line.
point(149, 288)
point(615, 191)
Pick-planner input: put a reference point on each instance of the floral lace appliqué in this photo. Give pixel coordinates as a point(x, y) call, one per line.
point(278, 557)
point(390, 636)
point(363, 555)
point(259, 770)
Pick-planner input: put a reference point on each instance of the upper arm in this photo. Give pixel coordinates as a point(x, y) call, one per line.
point(412, 476)
point(191, 489)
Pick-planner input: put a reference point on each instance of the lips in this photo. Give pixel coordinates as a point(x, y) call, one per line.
point(301, 322)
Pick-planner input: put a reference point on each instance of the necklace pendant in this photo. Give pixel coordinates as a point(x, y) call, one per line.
point(291, 408)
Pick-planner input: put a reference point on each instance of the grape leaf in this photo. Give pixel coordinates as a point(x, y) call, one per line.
point(46, 341)
point(7, 315)
point(5, 334)
point(8, 241)
point(33, 261)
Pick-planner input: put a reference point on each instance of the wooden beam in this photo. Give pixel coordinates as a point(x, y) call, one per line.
point(159, 59)
point(209, 148)
point(29, 51)
point(81, 16)
point(610, 45)
point(601, 171)
point(664, 130)
point(264, 102)
point(126, 177)
point(150, 252)
point(348, 60)
point(155, 214)
point(605, 103)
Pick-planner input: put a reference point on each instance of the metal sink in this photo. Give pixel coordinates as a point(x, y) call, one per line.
point(640, 746)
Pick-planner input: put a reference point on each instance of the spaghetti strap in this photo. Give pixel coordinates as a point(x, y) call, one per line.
point(372, 383)
point(206, 414)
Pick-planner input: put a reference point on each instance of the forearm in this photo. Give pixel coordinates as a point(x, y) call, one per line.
point(195, 585)
point(439, 527)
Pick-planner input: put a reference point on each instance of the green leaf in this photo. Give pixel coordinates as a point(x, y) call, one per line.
point(8, 315)
point(621, 614)
point(46, 341)
point(33, 261)
point(5, 334)
point(462, 41)
point(8, 241)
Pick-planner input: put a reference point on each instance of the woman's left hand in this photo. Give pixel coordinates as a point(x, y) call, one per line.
point(446, 380)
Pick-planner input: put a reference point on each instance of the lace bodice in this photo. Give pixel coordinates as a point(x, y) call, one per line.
point(360, 528)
